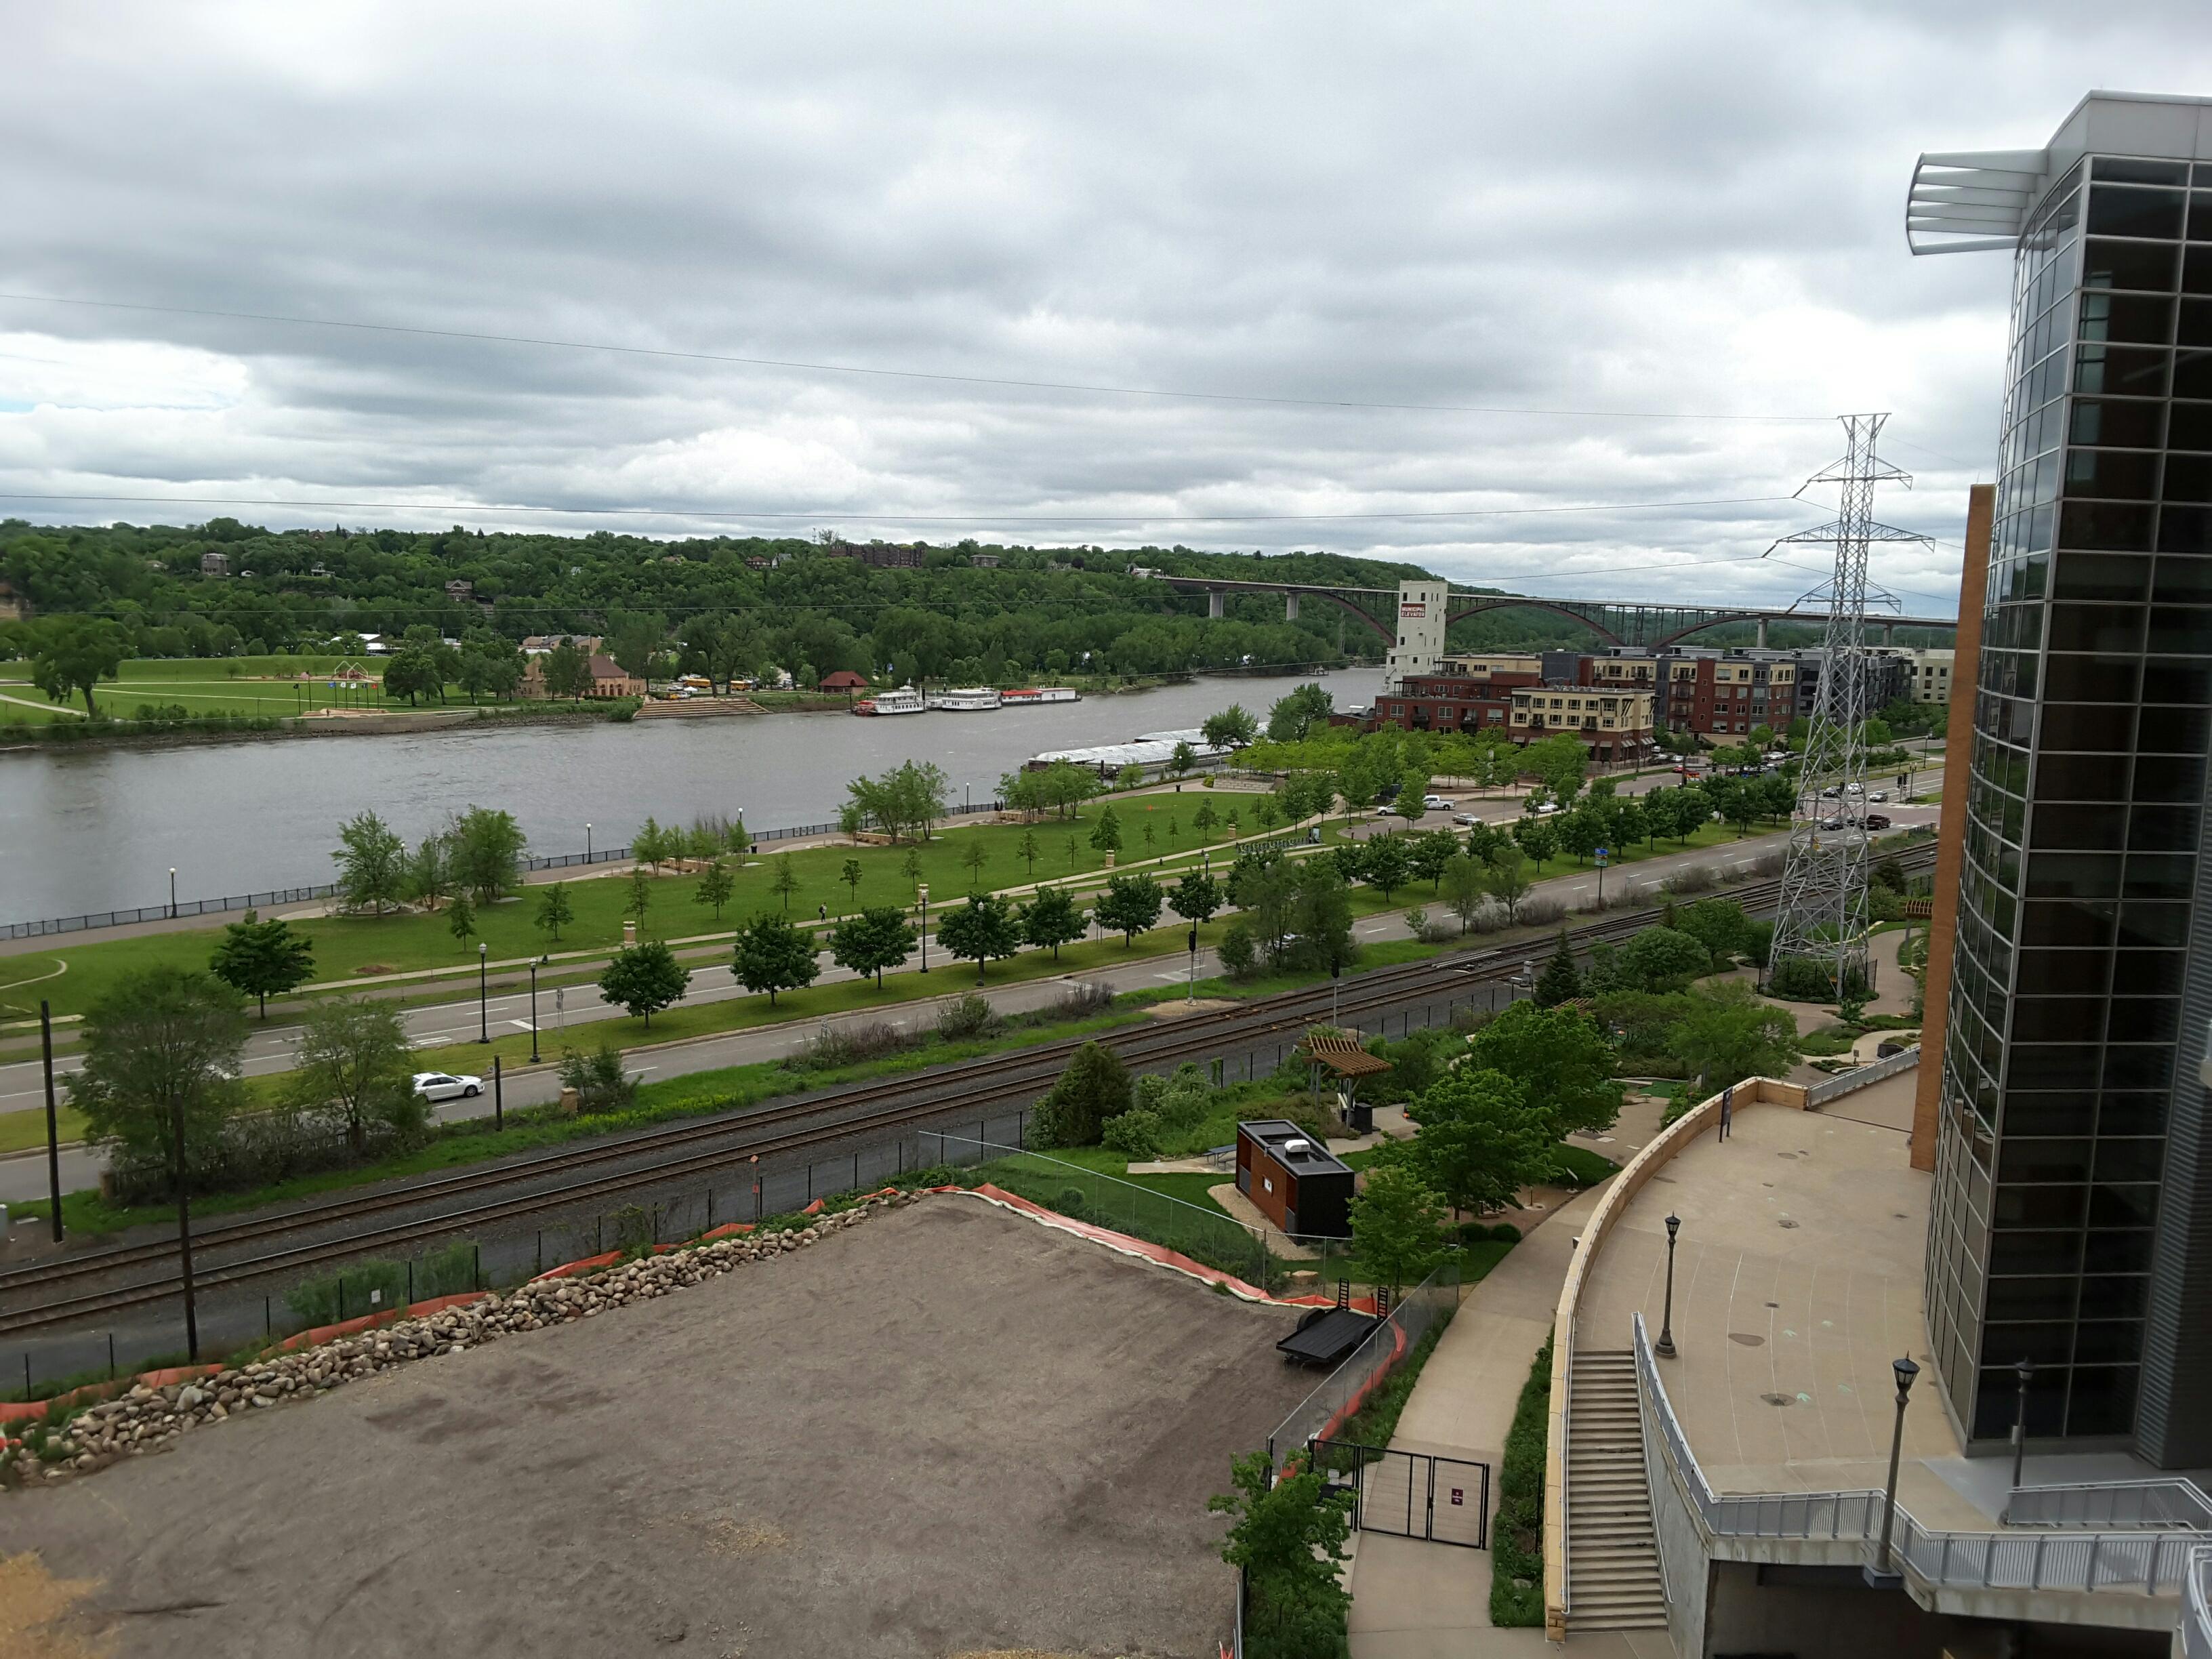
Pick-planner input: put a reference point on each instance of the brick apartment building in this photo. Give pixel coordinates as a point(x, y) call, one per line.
point(1524, 697)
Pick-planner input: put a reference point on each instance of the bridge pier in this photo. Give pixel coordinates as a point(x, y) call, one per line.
point(1889, 633)
point(1762, 633)
point(1214, 596)
point(1289, 607)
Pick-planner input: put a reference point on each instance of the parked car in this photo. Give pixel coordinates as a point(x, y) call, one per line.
point(1549, 809)
point(1435, 803)
point(1879, 794)
point(1465, 820)
point(444, 1086)
point(1877, 820)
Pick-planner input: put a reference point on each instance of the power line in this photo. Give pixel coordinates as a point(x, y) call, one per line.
point(896, 374)
point(465, 509)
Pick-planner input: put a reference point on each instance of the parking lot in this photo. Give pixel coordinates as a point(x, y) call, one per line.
point(949, 1430)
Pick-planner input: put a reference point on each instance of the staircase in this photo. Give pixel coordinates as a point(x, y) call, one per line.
point(1613, 1559)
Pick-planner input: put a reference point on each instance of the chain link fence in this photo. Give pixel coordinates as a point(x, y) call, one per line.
point(1427, 1306)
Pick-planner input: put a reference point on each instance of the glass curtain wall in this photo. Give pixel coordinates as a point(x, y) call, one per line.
point(2087, 790)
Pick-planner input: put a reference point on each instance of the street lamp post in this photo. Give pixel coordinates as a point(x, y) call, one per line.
point(587, 843)
point(173, 892)
point(1192, 997)
point(922, 892)
point(1601, 855)
point(53, 1122)
point(1881, 1574)
point(2025, 1369)
point(483, 993)
point(1665, 1349)
point(534, 967)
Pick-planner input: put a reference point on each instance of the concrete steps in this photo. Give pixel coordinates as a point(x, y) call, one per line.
point(1612, 1558)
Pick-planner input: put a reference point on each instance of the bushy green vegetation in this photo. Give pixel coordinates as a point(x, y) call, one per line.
point(1516, 1544)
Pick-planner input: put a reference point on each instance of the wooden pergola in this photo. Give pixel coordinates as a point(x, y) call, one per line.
point(1345, 1061)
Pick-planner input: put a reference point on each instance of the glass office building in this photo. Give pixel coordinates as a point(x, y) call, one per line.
point(2071, 1220)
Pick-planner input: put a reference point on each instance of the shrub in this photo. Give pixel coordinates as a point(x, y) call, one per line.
point(1698, 879)
point(600, 1083)
point(1238, 954)
point(834, 1046)
point(1135, 1133)
point(633, 1228)
point(449, 1272)
point(1800, 980)
point(1517, 1544)
point(1488, 917)
point(1080, 1000)
point(1069, 1201)
point(366, 1287)
point(1542, 910)
point(966, 1017)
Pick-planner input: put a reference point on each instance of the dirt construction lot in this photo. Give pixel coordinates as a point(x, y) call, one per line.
point(949, 1430)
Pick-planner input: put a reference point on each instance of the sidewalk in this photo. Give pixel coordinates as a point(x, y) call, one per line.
point(1414, 1599)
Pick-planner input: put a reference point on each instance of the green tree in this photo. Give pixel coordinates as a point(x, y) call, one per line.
point(1412, 799)
point(771, 955)
point(650, 845)
point(637, 895)
point(1204, 820)
point(785, 882)
point(1287, 1537)
point(1197, 896)
point(412, 672)
point(973, 859)
point(1052, 919)
point(1479, 1141)
point(981, 930)
point(1232, 728)
point(1661, 960)
point(429, 877)
point(1298, 714)
point(355, 1066)
point(1561, 980)
point(1094, 1089)
point(1129, 777)
point(256, 957)
point(643, 980)
point(554, 910)
point(1539, 840)
point(1321, 915)
point(461, 919)
point(1184, 761)
point(70, 656)
point(1428, 854)
point(483, 853)
point(1508, 880)
point(164, 1046)
point(1559, 1058)
point(910, 867)
point(1464, 889)
point(1728, 1034)
point(1130, 904)
point(1386, 864)
point(875, 939)
point(1106, 833)
point(1027, 849)
point(566, 672)
point(1560, 761)
point(715, 886)
point(372, 864)
point(1394, 1222)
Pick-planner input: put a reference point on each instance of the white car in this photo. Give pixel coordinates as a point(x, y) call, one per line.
point(1435, 804)
point(444, 1086)
point(1465, 820)
point(1549, 809)
point(1879, 795)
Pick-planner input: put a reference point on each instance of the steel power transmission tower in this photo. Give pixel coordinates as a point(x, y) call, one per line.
point(1823, 915)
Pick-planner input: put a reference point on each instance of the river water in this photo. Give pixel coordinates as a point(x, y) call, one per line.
point(97, 829)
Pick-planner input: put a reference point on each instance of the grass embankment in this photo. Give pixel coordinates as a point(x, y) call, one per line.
point(241, 687)
point(351, 947)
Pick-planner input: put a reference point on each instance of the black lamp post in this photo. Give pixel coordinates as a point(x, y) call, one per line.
point(534, 967)
point(483, 993)
point(1881, 1574)
point(1192, 997)
point(922, 891)
point(587, 843)
point(1665, 1349)
point(173, 892)
point(2025, 1371)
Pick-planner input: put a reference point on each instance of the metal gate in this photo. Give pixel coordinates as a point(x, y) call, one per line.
point(1409, 1494)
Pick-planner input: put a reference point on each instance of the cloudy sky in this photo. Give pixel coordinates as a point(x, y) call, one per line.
point(1582, 256)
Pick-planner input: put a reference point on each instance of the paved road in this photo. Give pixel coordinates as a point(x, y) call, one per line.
point(24, 1176)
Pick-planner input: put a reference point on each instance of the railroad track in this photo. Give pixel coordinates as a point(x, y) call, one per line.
point(699, 1147)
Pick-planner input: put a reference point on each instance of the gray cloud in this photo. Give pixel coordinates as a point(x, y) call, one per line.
point(1689, 209)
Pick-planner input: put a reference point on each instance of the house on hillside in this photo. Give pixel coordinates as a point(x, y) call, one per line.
point(213, 564)
point(461, 590)
point(845, 680)
point(12, 606)
point(984, 561)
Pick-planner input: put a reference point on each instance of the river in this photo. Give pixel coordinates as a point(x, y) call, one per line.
point(95, 829)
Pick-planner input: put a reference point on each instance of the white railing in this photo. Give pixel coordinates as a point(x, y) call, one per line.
point(2146, 1562)
point(2196, 1607)
point(2166, 1504)
point(1861, 1077)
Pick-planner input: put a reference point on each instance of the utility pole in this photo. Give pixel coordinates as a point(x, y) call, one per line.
point(53, 1120)
point(1823, 916)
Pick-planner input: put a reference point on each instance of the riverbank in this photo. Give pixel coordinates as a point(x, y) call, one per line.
point(79, 732)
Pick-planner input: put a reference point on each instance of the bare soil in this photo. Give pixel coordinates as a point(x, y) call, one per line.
point(949, 1430)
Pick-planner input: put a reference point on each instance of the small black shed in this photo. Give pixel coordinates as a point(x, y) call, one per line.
point(1293, 1179)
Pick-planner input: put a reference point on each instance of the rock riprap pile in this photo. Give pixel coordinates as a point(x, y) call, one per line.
point(147, 1418)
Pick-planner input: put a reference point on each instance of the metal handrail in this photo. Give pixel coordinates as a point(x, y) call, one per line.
point(2146, 1562)
point(1861, 1077)
point(2165, 1503)
point(2197, 1605)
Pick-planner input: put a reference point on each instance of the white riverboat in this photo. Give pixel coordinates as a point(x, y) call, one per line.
point(904, 700)
point(965, 699)
point(1032, 696)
